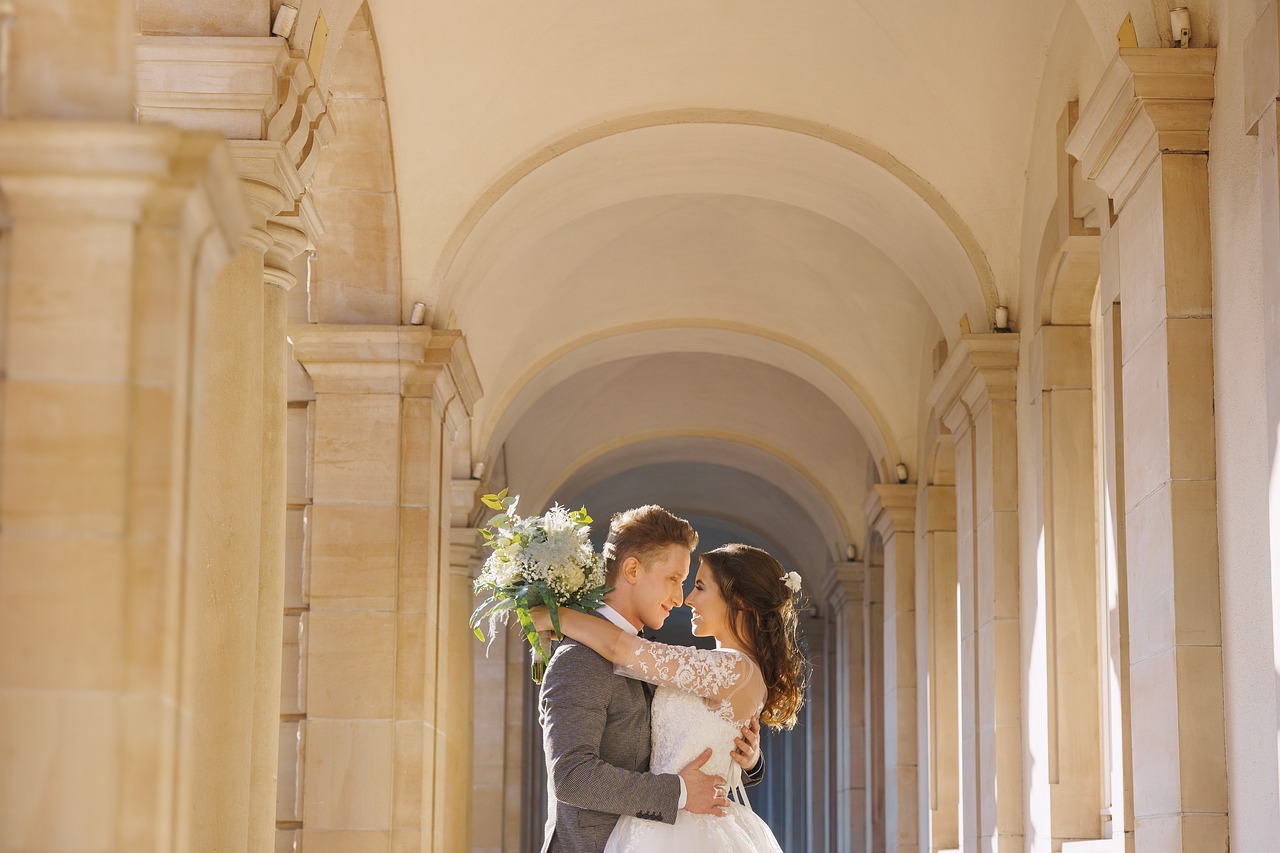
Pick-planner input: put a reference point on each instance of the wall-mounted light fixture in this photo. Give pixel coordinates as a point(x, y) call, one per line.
point(1002, 318)
point(285, 19)
point(1180, 25)
point(851, 552)
point(419, 315)
point(901, 470)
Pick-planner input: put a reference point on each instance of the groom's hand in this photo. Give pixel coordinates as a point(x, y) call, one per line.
point(706, 794)
point(747, 751)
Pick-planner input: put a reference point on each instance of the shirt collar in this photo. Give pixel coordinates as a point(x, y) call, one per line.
point(617, 618)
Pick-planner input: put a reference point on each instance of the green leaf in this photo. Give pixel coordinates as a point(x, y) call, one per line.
point(549, 598)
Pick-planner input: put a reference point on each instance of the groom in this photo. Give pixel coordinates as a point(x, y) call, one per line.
point(595, 723)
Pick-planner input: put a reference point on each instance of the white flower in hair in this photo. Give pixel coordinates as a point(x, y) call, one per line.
point(608, 551)
point(792, 580)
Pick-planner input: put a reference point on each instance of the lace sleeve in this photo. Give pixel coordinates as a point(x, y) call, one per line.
point(717, 675)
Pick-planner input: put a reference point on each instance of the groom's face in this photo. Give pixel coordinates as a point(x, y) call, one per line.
point(659, 585)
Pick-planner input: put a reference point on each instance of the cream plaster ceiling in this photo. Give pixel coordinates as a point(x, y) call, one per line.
point(721, 236)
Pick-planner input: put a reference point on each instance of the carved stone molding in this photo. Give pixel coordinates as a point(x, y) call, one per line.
point(845, 585)
point(981, 368)
point(263, 99)
point(412, 361)
point(55, 170)
point(891, 508)
point(1149, 101)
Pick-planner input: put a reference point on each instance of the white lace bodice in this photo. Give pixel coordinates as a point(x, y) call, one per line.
point(704, 698)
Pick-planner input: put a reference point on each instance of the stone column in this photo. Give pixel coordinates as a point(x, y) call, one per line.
point(378, 749)
point(118, 233)
point(1144, 139)
point(252, 91)
point(936, 583)
point(818, 744)
point(1262, 94)
point(457, 712)
point(874, 705)
point(1062, 380)
point(844, 595)
point(891, 511)
point(974, 394)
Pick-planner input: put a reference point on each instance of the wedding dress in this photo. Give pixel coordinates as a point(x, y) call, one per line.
point(704, 698)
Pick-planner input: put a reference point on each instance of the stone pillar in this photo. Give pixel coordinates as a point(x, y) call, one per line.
point(378, 750)
point(457, 712)
point(874, 703)
point(818, 744)
point(1062, 380)
point(936, 584)
point(891, 511)
point(974, 394)
point(843, 595)
point(1262, 94)
point(118, 233)
point(1144, 139)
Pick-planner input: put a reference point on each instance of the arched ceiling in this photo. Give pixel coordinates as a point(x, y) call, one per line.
point(710, 254)
point(945, 89)
point(694, 407)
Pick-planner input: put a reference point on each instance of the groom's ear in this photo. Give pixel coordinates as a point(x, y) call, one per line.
point(630, 570)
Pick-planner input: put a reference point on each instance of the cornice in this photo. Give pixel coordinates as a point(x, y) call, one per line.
point(845, 584)
point(160, 176)
point(1149, 101)
point(981, 367)
point(412, 361)
point(891, 508)
point(230, 84)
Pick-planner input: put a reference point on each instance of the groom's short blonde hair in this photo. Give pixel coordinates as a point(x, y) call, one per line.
point(640, 533)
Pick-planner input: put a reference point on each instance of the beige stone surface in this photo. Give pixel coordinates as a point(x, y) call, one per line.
point(353, 553)
point(356, 449)
point(348, 772)
point(350, 664)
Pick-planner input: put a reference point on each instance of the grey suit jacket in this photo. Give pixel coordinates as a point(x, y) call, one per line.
point(595, 730)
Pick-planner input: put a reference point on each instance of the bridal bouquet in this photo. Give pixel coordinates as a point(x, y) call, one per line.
point(545, 560)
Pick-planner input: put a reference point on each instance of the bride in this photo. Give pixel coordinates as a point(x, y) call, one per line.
point(745, 600)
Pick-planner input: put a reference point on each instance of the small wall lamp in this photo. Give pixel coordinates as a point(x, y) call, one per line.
point(901, 471)
point(1180, 24)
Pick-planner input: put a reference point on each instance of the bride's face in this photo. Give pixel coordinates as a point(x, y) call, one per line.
point(710, 610)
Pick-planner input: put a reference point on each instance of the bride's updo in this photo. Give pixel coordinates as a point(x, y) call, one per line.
point(755, 587)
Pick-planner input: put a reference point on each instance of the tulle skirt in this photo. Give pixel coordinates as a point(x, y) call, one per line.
point(740, 831)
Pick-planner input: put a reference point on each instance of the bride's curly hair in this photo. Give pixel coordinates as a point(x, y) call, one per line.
point(752, 584)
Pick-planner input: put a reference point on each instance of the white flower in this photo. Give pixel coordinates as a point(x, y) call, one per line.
point(792, 580)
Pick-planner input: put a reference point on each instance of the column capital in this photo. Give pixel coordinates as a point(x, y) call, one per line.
point(227, 83)
point(845, 584)
point(890, 508)
point(161, 176)
point(412, 361)
point(464, 498)
point(466, 551)
point(1261, 68)
point(262, 98)
point(980, 368)
point(1150, 101)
